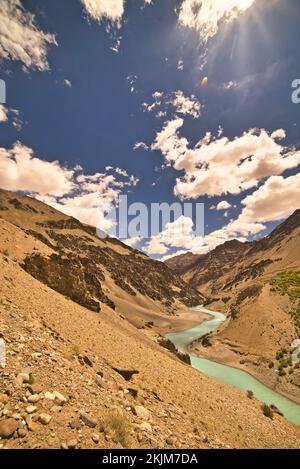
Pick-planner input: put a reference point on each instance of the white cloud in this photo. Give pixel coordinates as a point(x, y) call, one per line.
point(140, 145)
point(20, 37)
point(68, 83)
point(180, 65)
point(223, 205)
point(273, 201)
point(116, 47)
point(217, 166)
point(12, 115)
point(205, 16)
point(21, 170)
point(176, 234)
point(132, 241)
point(111, 10)
point(71, 191)
point(132, 79)
point(3, 113)
point(186, 105)
point(180, 234)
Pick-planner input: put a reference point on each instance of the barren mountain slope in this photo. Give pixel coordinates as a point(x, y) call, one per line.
point(65, 361)
point(255, 284)
point(70, 258)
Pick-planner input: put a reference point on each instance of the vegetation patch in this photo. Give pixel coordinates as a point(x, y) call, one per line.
point(118, 426)
point(288, 283)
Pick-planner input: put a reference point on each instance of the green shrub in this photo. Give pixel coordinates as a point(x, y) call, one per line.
point(250, 394)
point(267, 411)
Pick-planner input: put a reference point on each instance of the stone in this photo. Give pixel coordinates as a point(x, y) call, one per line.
point(63, 445)
point(22, 432)
point(71, 444)
point(133, 392)
point(75, 424)
point(142, 412)
point(31, 425)
point(88, 420)
point(50, 396)
point(170, 441)
point(8, 427)
point(35, 388)
point(23, 378)
point(95, 438)
point(56, 408)
point(146, 427)
point(3, 399)
point(87, 361)
point(33, 398)
point(44, 419)
point(60, 398)
point(31, 409)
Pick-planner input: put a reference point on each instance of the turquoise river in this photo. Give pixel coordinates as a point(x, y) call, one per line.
point(229, 375)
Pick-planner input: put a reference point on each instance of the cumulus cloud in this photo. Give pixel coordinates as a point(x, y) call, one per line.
point(205, 16)
point(223, 205)
point(20, 37)
point(3, 113)
point(85, 197)
point(177, 234)
point(274, 200)
point(132, 241)
point(181, 104)
point(111, 10)
point(186, 105)
point(217, 165)
point(21, 170)
point(180, 234)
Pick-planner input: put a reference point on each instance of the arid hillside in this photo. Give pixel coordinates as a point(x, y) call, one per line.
point(257, 285)
point(79, 376)
point(70, 258)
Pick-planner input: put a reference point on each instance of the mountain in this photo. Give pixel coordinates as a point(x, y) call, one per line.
point(81, 320)
point(256, 284)
point(70, 258)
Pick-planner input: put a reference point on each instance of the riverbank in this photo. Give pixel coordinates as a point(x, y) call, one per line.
point(236, 377)
point(184, 319)
point(220, 353)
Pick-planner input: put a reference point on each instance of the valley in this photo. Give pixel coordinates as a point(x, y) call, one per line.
point(87, 365)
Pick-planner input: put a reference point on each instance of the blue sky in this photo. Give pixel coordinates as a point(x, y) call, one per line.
point(81, 78)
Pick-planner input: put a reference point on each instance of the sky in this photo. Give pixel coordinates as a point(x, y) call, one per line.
point(105, 97)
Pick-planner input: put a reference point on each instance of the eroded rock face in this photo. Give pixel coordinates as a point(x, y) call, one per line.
point(77, 277)
point(77, 268)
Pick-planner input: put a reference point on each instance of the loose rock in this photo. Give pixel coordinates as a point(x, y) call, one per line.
point(88, 420)
point(8, 427)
